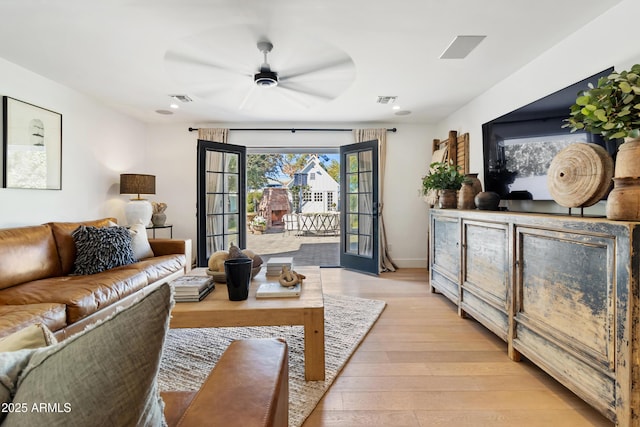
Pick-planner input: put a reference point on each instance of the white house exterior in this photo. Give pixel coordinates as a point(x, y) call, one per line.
point(324, 191)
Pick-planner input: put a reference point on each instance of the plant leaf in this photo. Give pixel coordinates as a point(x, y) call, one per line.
point(617, 135)
point(600, 115)
point(583, 100)
point(625, 87)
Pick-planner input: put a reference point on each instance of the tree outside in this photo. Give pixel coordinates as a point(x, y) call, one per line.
point(282, 167)
point(261, 168)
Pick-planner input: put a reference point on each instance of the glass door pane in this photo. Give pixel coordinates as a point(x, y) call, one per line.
point(360, 198)
point(221, 211)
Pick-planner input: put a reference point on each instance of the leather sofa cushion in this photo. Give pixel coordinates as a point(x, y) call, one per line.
point(249, 386)
point(159, 267)
point(16, 317)
point(65, 244)
point(82, 295)
point(26, 254)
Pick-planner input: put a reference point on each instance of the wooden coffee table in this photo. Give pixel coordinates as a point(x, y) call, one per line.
point(308, 310)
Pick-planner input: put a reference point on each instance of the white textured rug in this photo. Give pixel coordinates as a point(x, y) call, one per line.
point(190, 354)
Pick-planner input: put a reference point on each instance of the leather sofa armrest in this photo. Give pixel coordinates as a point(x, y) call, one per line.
point(172, 246)
point(249, 386)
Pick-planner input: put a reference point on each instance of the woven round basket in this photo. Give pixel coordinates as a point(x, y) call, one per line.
point(580, 175)
point(221, 277)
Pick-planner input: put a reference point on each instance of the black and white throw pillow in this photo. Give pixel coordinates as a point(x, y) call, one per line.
point(101, 248)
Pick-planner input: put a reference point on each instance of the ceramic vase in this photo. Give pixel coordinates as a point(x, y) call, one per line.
point(475, 182)
point(623, 202)
point(476, 187)
point(466, 196)
point(448, 199)
point(238, 275)
point(159, 219)
point(627, 165)
point(487, 200)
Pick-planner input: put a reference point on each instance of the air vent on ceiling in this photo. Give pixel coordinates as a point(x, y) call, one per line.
point(182, 98)
point(386, 99)
point(461, 46)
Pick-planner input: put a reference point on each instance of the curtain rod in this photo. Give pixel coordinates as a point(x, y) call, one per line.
point(293, 130)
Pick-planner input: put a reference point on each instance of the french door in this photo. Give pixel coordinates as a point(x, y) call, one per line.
point(359, 206)
point(221, 205)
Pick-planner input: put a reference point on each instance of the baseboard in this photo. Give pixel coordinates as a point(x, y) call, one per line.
point(410, 263)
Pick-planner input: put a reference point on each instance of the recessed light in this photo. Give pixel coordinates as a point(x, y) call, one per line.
point(164, 112)
point(174, 105)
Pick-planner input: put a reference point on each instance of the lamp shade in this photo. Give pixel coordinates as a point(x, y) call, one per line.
point(133, 183)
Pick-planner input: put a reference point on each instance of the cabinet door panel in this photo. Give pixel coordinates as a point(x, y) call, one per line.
point(566, 280)
point(446, 246)
point(485, 274)
point(445, 256)
point(486, 261)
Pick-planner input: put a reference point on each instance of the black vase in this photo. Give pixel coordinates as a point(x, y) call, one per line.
point(238, 272)
point(487, 200)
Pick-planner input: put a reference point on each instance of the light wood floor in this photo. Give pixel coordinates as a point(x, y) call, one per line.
point(422, 365)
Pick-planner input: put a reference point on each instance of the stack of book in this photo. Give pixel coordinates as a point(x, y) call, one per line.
point(192, 288)
point(275, 264)
point(276, 290)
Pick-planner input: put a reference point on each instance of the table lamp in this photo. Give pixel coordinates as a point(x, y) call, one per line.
point(138, 209)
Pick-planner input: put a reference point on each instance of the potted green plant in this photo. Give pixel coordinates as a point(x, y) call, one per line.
point(611, 108)
point(446, 179)
point(259, 224)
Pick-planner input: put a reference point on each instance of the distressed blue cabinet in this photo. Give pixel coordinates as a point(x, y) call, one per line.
point(562, 291)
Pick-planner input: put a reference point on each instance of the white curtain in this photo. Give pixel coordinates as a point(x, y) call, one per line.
point(363, 135)
point(214, 134)
point(214, 188)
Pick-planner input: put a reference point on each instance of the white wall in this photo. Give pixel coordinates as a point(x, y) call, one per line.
point(172, 158)
point(97, 145)
point(607, 41)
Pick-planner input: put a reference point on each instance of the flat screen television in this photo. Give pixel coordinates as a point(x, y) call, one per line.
point(519, 146)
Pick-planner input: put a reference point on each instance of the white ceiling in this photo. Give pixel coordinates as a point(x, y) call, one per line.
point(132, 54)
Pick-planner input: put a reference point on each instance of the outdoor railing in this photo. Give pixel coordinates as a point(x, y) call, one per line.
point(313, 222)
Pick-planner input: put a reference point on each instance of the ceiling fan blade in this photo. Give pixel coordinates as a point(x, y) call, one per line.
point(181, 58)
point(305, 91)
point(247, 97)
point(297, 98)
point(342, 64)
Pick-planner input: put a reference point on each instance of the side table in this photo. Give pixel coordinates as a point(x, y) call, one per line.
point(153, 229)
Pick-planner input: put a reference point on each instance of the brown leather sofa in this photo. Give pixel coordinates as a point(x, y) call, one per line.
point(249, 386)
point(36, 285)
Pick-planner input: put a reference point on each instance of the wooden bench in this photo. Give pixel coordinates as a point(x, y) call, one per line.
point(249, 386)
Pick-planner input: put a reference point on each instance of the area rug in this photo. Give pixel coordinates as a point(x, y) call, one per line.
point(190, 354)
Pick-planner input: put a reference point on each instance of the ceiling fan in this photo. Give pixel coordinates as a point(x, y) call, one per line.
point(265, 77)
point(317, 73)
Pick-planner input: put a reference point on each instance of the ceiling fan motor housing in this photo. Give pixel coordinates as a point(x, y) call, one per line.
point(266, 78)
